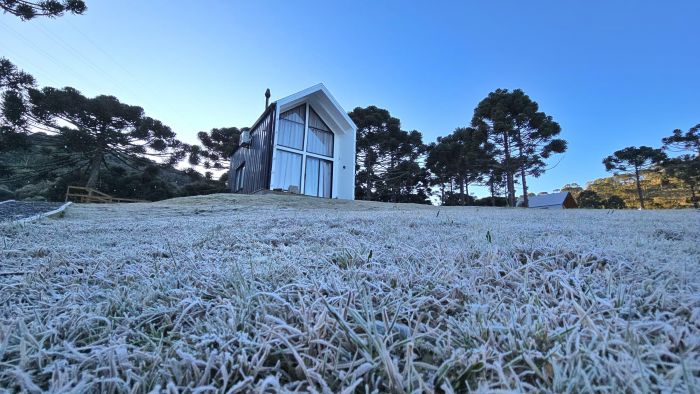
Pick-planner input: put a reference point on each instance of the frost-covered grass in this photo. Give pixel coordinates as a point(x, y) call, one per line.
point(256, 293)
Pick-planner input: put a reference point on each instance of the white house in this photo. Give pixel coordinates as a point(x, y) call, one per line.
point(303, 143)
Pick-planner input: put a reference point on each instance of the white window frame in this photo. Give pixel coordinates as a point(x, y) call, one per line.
point(303, 151)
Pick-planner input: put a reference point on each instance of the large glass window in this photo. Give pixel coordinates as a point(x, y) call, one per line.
point(291, 133)
point(317, 181)
point(287, 171)
point(302, 129)
point(320, 138)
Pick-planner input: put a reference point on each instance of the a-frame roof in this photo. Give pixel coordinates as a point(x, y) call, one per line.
point(323, 102)
point(546, 200)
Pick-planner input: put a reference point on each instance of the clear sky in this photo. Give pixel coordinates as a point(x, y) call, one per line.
point(612, 73)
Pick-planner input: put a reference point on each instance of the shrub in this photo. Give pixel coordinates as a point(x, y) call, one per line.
point(615, 202)
point(590, 199)
point(6, 193)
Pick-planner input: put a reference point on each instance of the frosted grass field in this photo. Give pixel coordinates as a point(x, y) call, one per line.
point(274, 293)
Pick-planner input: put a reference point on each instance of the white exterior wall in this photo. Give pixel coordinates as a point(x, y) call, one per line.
point(344, 133)
point(344, 169)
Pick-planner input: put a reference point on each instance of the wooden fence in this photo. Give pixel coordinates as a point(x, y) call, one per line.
point(89, 195)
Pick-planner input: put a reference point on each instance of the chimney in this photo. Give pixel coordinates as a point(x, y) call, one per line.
point(267, 98)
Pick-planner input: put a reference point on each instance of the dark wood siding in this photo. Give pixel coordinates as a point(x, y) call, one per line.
point(257, 157)
point(569, 202)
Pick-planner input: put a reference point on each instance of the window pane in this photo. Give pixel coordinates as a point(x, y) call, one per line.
point(287, 170)
point(238, 178)
point(291, 131)
point(297, 114)
point(316, 122)
point(317, 181)
point(320, 138)
point(320, 142)
point(324, 179)
point(291, 134)
point(311, 178)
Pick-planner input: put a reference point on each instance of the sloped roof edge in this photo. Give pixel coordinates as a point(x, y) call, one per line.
point(320, 87)
point(544, 200)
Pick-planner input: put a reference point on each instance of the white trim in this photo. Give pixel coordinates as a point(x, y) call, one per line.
point(44, 215)
point(304, 154)
point(6, 201)
point(302, 187)
point(301, 152)
point(317, 156)
point(290, 150)
point(316, 88)
point(344, 134)
point(275, 132)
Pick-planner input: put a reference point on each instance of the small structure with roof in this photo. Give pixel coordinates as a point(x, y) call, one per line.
point(303, 143)
point(561, 200)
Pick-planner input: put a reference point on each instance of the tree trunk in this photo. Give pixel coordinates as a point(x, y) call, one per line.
point(442, 193)
point(493, 194)
point(526, 202)
point(461, 190)
point(466, 189)
point(95, 164)
point(510, 183)
point(693, 198)
point(368, 188)
point(639, 188)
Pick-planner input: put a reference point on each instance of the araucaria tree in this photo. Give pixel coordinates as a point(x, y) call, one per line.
point(523, 135)
point(684, 142)
point(14, 84)
point(633, 160)
point(27, 9)
point(441, 166)
point(386, 158)
point(217, 147)
point(685, 168)
point(461, 158)
point(103, 127)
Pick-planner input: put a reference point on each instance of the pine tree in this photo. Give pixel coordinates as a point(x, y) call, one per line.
point(103, 126)
point(633, 160)
point(27, 10)
point(217, 148)
point(523, 135)
point(385, 154)
point(14, 85)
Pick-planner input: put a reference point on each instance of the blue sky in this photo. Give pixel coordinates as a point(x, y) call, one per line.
point(612, 73)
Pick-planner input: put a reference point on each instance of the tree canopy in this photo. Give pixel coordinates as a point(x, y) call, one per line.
point(27, 10)
point(217, 147)
point(684, 142)
point(574, 188)
point(589, 199)
point(14, 85)
point(103, 126)
point(462, 158)
point(685, 168)
point(386, 158)
point(633, 160)
point(523, 136)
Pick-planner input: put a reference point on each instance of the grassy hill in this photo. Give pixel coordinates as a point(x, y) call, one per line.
point(291, 293)
point(660, 191)
point(45, 169)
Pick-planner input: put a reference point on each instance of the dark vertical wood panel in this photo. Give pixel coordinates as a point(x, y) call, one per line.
point(257, 157)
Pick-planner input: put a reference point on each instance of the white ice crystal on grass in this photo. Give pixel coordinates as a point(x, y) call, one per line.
point(255, 293)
